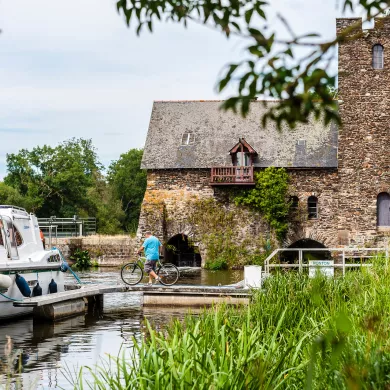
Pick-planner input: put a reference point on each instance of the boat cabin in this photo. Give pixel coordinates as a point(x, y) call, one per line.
point(19, 234)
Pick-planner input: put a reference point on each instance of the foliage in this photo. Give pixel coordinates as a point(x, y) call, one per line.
point(298, 333)
point(274, 67)
point(269, 197)
point(217, 264)
point(67, 180)
point(11, 196)
point(128, 183)
point(259, 256)
point(81, 258)
point(215, 230)
point(106, 207)
point(56, 179)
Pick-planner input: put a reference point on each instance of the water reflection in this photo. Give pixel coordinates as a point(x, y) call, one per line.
point(35, 355)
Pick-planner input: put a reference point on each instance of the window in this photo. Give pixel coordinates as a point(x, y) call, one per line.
point(312, 207)
point(242, 159)
point(18, 237)
point(294, 203)
point(377, 57)
point(383, 209)
point(242, 154)
point(188, 138)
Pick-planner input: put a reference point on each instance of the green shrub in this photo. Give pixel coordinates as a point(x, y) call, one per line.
point(81, 258)
point(217, 265)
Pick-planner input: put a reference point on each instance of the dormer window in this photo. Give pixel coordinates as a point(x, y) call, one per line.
point(188, 138)
point(242, 154)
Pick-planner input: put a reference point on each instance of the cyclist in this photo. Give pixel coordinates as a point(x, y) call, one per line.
point(153, 250)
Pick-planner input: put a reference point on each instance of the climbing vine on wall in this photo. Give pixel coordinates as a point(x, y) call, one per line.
point(269, 197)
point(215, 230)
point(223, 234)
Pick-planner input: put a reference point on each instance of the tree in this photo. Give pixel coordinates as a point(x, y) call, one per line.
point(55, 180)
point(11, 196)
point(273, 68)
point(106, 207)
point(128, 183)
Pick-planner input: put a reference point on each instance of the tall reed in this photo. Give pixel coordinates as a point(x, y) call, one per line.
point(297, 333)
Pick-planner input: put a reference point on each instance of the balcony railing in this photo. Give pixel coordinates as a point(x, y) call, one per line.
point(232, 176)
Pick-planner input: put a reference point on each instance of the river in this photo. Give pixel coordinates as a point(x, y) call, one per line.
point(43, 356)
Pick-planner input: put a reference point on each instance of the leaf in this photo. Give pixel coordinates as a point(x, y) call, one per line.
point(248, 15)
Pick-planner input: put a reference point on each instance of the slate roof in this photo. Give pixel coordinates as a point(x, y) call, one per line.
point(215, 132)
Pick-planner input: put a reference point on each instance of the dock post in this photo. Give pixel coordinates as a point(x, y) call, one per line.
point(95, 304)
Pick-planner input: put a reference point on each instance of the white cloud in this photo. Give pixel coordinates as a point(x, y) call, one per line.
point(73, 69)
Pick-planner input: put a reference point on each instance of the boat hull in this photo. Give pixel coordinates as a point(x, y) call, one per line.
point(8, 311)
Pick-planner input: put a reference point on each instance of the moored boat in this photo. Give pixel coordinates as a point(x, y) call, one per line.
point(24, 262)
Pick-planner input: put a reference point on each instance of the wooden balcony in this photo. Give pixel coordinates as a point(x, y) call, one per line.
point(241, 176)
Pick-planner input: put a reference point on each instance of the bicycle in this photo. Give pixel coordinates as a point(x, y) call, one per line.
point(132, 273)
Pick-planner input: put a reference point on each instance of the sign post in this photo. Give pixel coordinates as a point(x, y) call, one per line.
point(325, 267)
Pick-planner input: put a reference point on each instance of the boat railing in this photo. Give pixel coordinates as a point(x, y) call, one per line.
point(5, 206)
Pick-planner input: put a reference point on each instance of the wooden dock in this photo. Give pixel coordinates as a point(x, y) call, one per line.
point(75, 301)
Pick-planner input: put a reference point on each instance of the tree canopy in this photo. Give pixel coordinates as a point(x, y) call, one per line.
point(273, 68)
point(68, 180)
point(128, 183)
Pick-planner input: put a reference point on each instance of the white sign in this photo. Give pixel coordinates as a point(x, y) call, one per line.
point(252, 276)
point(325, 267)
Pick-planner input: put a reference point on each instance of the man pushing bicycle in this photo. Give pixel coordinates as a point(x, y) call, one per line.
point(153, 250)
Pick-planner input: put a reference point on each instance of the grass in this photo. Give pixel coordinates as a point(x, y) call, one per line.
point(299, 333)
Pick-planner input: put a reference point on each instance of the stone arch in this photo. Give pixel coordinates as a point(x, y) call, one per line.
point(306, 243)
point(182, 251)
point(301, 233)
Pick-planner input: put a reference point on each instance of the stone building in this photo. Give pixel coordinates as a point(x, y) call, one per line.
point(339, 178)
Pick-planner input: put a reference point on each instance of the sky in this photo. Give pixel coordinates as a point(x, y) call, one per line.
point(73, 69)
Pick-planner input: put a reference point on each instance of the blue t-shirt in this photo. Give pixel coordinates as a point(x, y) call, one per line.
point(151, 246)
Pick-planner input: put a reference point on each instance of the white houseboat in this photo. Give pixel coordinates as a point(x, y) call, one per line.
point(24, 262)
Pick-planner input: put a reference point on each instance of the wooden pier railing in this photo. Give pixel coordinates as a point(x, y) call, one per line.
point(232, 175)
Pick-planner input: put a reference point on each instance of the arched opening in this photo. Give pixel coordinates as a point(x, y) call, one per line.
point(383, 209)
point(182, 252)
point(309, 253)
point(377, 56)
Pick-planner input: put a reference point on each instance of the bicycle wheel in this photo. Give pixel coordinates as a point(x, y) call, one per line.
point(168, 273)
point(131, 273)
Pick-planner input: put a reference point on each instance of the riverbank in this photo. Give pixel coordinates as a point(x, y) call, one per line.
point(299, 333)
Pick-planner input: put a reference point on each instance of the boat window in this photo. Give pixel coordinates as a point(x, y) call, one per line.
point(18, 237)
point(10, 237)
point(1, 234)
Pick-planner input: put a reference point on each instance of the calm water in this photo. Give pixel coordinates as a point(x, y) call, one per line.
point(38, 356)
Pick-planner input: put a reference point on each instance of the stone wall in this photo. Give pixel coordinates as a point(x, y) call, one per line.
point(167, 209)
point(347, 195)
point(323, 184)
point(364, 139)
point(173, 196)
point(105, 250)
